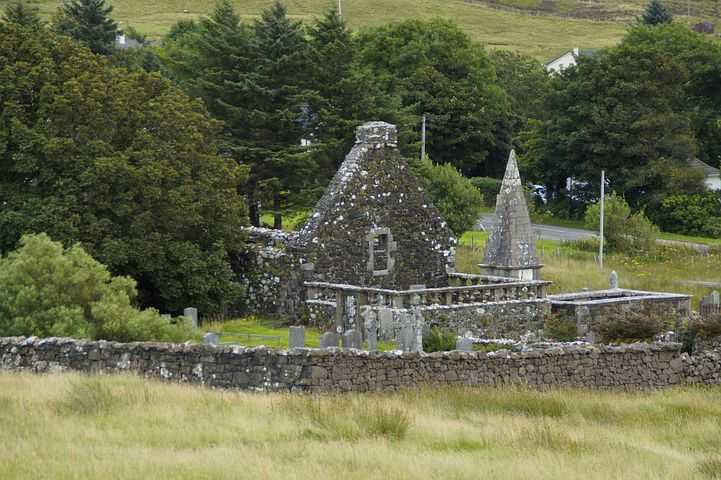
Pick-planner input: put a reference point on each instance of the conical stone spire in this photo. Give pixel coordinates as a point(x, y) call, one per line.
point(511, 248)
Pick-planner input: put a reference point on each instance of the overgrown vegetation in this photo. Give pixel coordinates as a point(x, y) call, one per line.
point(438, 340)
point(624, 231)
point(558, 328)
point(47, 291)
point(630, 326)
point(188, 432)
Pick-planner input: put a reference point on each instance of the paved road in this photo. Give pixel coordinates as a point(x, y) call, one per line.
point(545, 232)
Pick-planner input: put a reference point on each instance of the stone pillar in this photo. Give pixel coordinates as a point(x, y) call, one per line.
point(296, 337)
point(192, 314)
point(613, 280)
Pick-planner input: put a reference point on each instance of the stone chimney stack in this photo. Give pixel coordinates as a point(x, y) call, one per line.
point(511, 248)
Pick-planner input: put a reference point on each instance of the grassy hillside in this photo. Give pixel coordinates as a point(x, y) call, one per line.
point(71, 427)
point(541, 36)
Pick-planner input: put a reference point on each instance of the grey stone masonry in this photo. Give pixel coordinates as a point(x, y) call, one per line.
point(628, 367)
point(511, 247)
point(296, 337)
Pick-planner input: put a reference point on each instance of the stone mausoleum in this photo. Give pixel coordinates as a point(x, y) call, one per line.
point(377, 257)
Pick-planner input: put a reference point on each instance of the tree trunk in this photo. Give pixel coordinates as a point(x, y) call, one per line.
point(253, 208)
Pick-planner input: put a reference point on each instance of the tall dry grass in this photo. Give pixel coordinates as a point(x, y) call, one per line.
point(75, 427)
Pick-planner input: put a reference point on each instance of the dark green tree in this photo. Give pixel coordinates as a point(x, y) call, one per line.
point(655, 14)
point(435, 69)
point(621, 111)
point(526, 83)
point(122, 162)
point(89, 22)
point(22, 13)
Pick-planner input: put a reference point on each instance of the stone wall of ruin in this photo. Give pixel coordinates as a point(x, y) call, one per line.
point(630, 367)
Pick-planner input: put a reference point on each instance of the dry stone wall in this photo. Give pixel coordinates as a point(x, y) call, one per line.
point(631, 367)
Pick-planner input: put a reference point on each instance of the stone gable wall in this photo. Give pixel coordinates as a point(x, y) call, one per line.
point(631, 367)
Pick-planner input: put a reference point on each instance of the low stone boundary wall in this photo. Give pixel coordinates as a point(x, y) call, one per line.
point(630, 367)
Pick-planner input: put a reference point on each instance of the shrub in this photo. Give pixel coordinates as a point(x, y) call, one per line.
point(439, 341)
point(623, 231)
point(559, 328)
point(459, 202)
point(707, 327)
point(630, 326)
point(489, 188)
point(698, 214)
point(46, 290)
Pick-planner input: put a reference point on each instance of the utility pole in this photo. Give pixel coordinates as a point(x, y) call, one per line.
point(423, 139)
point(603, 196)
point(340, 9)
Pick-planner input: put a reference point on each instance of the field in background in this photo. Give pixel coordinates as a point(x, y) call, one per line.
point(571, 269)
point(540, 36)
point(74, 427)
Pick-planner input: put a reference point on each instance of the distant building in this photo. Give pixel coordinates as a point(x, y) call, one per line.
point(123, 43)
point(568, 59)
point(712, 175)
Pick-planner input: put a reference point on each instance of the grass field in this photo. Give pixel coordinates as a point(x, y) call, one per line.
point(540, 36)
point(65, 427)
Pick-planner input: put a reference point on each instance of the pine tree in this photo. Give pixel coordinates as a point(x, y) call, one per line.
point(275, 116)
point(656, 14)
point(21, 13)
point(89, 22)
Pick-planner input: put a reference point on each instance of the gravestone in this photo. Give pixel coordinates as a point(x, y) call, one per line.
point(192, 314)
point(371, 327)
point(385, 323)
point(296, 337)
point(613, 280)
point(211, 338)
point(464, 344)
point(352, 339)
point(710, 304)
point(411, 333)
point(329, 339)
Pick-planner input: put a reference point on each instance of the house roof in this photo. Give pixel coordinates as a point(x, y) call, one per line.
point(707, 169)
point(582, 52)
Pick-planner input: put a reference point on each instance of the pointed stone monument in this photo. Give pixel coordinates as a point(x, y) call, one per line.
point(511, 248)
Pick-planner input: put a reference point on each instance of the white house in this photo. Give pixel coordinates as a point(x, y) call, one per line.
point(712, 175)
point(568, 59)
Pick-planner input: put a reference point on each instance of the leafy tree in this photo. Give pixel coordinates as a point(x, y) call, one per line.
point(621, 111)
point(435, 69)
point(22, 13)
point(458, 200)
point(46, 290)
point(526, 83)
point(123, 163)
point(89, 22)
point(623, 231)
point(700, 58)
point(655, 14)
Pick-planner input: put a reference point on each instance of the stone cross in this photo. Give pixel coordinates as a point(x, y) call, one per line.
point(329, 339)
point(352, 339)
point(211, 338)
point(464, 344)
point(192, 314)
point(613, 280)
point(296, 337)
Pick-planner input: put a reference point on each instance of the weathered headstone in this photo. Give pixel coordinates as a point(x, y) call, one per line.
point(464, 344)
point(329, 339)
point(613, 280)
point(371, 327)
point(192, 314)
point(211, 338)
point(411, 332)
point(385, 323)
point(352, 339)
point(296, 337)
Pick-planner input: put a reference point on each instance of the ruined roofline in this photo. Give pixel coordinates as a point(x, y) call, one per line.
point(369, 136)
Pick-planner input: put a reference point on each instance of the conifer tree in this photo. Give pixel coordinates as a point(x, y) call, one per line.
point(21, 13)
point(656, 14)
point(89, 22)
